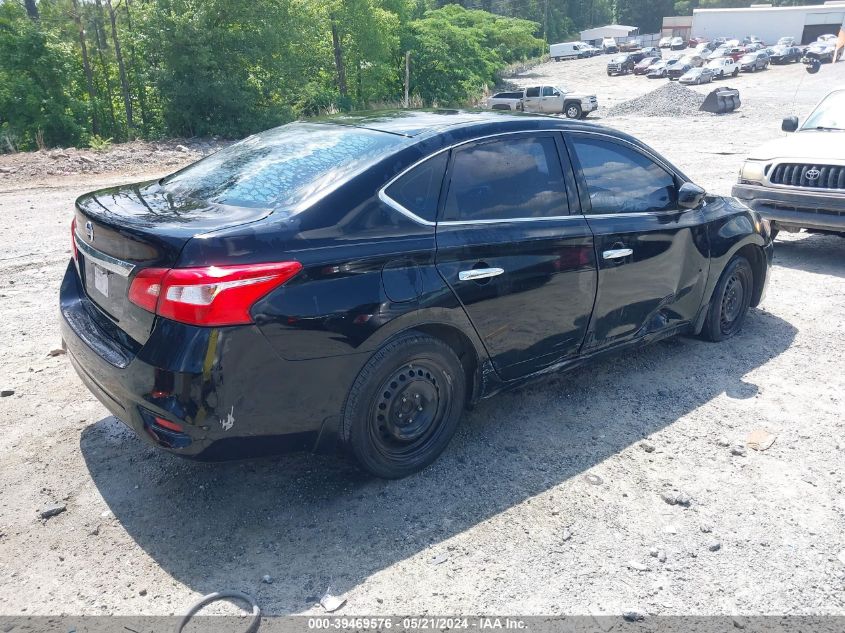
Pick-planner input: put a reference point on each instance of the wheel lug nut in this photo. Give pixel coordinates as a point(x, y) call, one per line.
point(419, 408)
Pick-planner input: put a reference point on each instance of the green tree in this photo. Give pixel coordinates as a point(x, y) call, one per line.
point(38, 91)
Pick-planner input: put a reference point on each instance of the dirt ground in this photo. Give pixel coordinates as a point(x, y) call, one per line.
point(549, 499)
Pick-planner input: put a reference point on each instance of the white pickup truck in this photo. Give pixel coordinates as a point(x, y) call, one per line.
point(546, 100)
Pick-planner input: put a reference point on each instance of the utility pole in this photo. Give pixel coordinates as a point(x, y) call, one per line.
point(407, 76)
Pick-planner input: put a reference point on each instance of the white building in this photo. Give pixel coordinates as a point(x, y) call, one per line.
point(770, 23)
point(611, 30)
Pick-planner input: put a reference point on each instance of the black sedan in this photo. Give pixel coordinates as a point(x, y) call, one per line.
point(356, 283)
point(786, 55)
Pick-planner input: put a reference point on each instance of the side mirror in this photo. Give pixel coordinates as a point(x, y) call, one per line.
point(556, 94)
point(690, 195)
point(789, 124)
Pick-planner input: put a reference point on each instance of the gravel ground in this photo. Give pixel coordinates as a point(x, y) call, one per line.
point(628, 484)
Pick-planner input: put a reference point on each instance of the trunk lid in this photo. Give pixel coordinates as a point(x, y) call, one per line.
point(122, 230)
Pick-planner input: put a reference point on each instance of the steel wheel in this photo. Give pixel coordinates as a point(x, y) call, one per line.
point(404, 406)
point(730, 302)
point(403, 417)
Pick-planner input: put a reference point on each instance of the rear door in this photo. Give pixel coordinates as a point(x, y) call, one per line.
point(653, 256)
point(532, 101)
point(521, 264)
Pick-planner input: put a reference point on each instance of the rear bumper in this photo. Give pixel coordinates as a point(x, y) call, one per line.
point(785, 208)
point(228, 392)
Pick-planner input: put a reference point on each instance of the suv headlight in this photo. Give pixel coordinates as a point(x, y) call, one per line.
point(752, 172)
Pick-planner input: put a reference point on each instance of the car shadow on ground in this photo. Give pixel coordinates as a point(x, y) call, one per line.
point(313, 520)
point(815, 253)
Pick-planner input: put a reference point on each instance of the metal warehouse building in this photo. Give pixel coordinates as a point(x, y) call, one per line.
point(770, 23)
point(610, 30)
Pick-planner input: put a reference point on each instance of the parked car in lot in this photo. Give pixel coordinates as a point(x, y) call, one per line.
point(798, 181)
point(722, 67)
point(678, 44)
point(737, 52)
point(558, 100)
point(678, 70)
point(621, 64)
point(631, 45)
point(506, 100)
point(643, 65)
point(545, 99)
point(609, 45)
point(785, 55)
point(716, 53)
point(665, 42)
point(787, 40)
point(822, 51)
point(311, 287)
point(702, 75)
point(658, 69)
point(637, 56)
point(682, 65)
point(650, 51)
point(591, 51)
point(567, 50)
point(752, 62)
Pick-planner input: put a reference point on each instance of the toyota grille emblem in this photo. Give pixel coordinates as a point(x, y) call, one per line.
point(89, 230)
point(813, 174)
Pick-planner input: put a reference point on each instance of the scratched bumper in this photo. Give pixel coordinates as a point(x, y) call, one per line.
point(230, 393)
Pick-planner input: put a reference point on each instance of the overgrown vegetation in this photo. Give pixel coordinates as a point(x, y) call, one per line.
point(74, 72)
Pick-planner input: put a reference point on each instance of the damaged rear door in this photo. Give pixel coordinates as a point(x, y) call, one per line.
point(653, 255)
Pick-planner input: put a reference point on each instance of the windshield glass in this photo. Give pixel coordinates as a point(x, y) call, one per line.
point(282, 166)
point(830, 113)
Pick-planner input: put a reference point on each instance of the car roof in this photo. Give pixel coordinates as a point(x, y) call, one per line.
point(423, 123)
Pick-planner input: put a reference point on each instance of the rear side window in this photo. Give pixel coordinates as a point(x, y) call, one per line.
point(419, 189)
point(282, 166)
point(622, 180)
point(506, 179)
point(532, 92)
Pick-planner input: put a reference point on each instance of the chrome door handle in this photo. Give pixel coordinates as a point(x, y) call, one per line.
point(617, 253)
point(479, 273)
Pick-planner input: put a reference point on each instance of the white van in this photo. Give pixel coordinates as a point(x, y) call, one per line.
point(567, 50)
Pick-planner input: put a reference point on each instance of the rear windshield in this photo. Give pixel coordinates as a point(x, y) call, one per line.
point(282, 166)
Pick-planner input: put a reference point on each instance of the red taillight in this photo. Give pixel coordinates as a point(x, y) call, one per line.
point(209, 296)
point(167, 424)
point(73, 239)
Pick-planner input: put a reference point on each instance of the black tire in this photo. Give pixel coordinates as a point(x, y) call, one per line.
point(736, 72)
point(573, 111)
point(774, 232)
point(730, 301)
point(404, 406)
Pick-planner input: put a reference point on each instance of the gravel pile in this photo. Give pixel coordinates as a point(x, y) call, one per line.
point(671, 99)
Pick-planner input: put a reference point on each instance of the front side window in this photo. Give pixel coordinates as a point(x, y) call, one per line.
point(506, 179)
point(622, 180)
point(419, 189)
point(548, 91)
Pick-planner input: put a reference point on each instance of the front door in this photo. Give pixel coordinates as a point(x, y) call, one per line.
point(521, 265)
point(550, 101)
point(653, 255)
